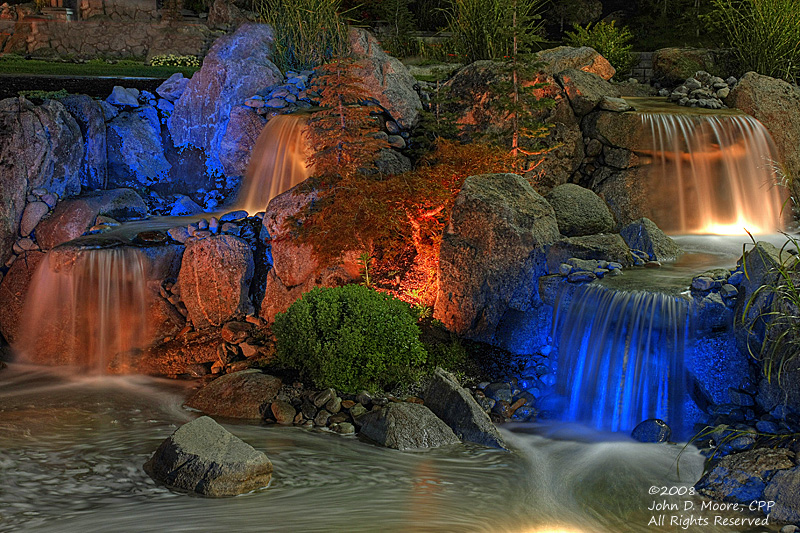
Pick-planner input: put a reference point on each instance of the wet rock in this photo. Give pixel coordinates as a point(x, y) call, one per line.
point(246, 394)
point(344, 428)
point(459, 410)
point(13, 290)
point(644, 235)
point(584, 89)
point(203, 458)
point(742, 477)
point(406, 426)
point(135, 150)
point(581, 277)
point(215, 280)
point(652, 430)
point(239, 140)
point(579, 211)
point(608, 247)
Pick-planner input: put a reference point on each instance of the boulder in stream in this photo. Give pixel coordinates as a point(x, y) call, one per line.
point(406, 426)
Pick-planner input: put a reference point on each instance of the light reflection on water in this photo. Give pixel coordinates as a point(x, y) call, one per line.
point(72, 451)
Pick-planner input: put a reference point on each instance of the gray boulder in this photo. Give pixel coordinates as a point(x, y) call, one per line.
point(458, 409)
point(215, 280)
point(644, 235)
point(135, 150)
point(386, 79)
point(585, 90)
point(579, 211)
point(406, 426)
point(491, 249)
point(742, 477)
point(203, 458)
point(235, 68)
point(90, 118)
point(784, 490)
point(246, 394)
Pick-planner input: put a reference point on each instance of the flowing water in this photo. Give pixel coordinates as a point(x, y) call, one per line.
point(278, 162)
point(718, 171)
point(73, 448)
point(621, 356)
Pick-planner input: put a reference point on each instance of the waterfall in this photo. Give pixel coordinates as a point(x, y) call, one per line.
point(86, 307)
point(713, 174)
point(620, 356)
point(278, 162)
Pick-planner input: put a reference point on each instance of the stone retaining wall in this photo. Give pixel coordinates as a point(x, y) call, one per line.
point(104, 38)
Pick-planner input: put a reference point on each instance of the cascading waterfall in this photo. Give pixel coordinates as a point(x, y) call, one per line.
point(713, 174)
point(278, 162)
point(621, 356)
point(86, 307)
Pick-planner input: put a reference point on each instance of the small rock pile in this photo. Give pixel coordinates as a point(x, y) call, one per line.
point(701, 90)
point(39, 204)
point(515, 400)
point(285, 97)
point(586, 270)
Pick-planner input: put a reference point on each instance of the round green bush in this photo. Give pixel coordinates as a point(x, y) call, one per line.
point(350, 338)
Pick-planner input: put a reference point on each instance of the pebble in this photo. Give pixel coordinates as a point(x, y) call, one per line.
point(564, 269)
point(323, 397)
point(50, 199)
point(276, 103)
point(344, 428)
point(581, 277)
point(179, 233)
point(233, 216)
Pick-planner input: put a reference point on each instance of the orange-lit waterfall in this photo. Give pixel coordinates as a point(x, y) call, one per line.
point(86, 308)
point(278, 162)
point(713, 174)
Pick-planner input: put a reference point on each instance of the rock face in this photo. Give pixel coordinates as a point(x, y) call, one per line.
point(215, 280)
point(644, 235)
point(73, 217)
point(386, 78)
point(742, 477)
point(244, 394)
point(583, 58)
point(203, 458)
point(584, 89)
point(40, 147)
point(91, 120)
point(235, 68)
point(295, 267)
point(579, 211)
point(490, 252)
point(406, 426)
point(135, 149)
point(776, 104)
point(458, 409)
point(13, 289)
point(240, 138)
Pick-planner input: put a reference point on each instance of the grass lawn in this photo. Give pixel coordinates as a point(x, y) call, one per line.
point(10, 64)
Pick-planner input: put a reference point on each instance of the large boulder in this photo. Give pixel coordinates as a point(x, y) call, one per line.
point(584, 89)
point(491, 250)
point(458, 409)
point(245, 394)
point(776, 104)
point(203, 458)
point(579, 211)
point(40, 147)
point(386, 79)
point(90, 118)
point(13, 290)
point(240, 138)
point(583, 58)
point(236, 67)
point(296, 268)
point(135, 149)
point(406, 426)
point(73, 217)
point(644, 235)
point(742, 477)
point(215, 280)
point(671, 66)
point(784, 490)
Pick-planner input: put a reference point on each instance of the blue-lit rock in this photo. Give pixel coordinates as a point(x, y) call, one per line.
point(173, 87)
point(784, 490)
point(652, 430)
point(239, 140)
point(122, 97)
point(742, 477)
point(135, 151)
point(90, 117)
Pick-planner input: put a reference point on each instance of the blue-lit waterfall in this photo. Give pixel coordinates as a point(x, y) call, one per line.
point(621, 356)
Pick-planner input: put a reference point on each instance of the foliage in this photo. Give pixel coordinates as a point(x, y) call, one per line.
point(172, 60)
point(484, 29)
point(44, 95)
point(307, 32)
point(574, 12)
point(780, 348)
point(351, 338)
point(342, 132)
point(437, 121)
point(11, 64)
point(398, 40)
point(764, 33)
point(611, 41)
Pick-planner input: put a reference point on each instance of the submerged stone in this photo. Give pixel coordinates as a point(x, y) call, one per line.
point(652, 430)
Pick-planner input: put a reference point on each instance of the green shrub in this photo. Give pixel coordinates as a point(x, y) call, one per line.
point(351, 338)
point(172, 60)
point(765, 34)
point(37, 94)
point(610, 41)
point(308, 33)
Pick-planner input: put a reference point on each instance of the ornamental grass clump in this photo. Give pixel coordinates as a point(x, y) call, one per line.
point(351, 338)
